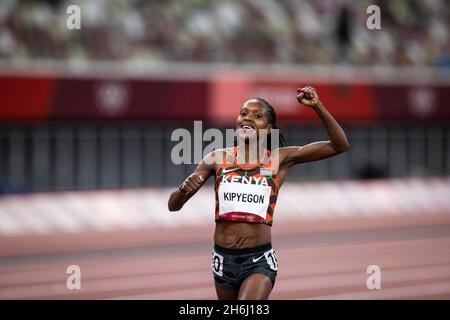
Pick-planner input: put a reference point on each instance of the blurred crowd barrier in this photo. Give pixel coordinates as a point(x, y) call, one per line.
point(316, 206)
point(81, 156)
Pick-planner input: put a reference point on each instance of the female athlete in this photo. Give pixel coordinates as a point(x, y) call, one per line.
point(244, 264)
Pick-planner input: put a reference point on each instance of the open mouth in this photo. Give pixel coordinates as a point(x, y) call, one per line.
point(247, 127)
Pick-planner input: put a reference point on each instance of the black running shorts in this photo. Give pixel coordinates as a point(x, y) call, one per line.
point(231, 266)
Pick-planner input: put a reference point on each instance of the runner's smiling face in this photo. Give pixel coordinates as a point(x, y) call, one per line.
point(252, 118)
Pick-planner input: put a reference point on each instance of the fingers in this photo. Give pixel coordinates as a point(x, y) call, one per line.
point(307, 92)
point(308, 96)
point(305, 88)
point(301, 94)
point(192, 184)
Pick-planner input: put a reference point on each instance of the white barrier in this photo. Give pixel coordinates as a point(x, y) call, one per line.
point(133, 209)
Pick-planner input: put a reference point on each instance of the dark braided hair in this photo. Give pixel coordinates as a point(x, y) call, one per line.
point(272, 121)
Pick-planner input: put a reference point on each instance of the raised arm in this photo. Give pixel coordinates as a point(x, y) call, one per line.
point(338, 142)
point(193, 183)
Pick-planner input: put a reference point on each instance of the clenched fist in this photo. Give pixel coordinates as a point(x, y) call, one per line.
point(191, 184)
point(308, 96)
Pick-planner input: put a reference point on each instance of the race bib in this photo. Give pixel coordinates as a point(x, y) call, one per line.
point(248, 198)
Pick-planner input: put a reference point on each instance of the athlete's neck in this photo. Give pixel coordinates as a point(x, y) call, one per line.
point(249, 154)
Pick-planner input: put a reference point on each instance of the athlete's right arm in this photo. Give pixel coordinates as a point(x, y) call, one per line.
point(193, 183)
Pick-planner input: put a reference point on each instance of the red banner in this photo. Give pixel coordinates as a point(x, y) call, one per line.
point(348, 102)
point(216, 99)
point(48, 98)
point(25, 98)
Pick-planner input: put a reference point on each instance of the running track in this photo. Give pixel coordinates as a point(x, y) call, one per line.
point(414, 262)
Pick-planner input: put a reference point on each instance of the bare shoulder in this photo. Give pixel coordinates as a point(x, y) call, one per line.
point(217, 157)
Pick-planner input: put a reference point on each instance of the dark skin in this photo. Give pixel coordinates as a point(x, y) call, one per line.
point(231, 234)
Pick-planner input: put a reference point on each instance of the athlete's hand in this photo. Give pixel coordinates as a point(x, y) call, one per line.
point(308, 96)
point(191, 184)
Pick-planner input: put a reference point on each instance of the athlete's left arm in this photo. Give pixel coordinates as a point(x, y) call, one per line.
point(338, 142)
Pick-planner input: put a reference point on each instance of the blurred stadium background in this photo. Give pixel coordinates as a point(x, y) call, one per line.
point(86, 118)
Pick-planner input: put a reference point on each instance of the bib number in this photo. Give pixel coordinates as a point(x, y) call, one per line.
point(248, 198)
